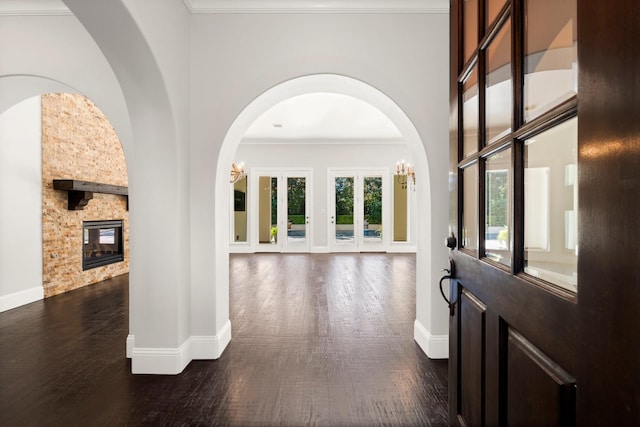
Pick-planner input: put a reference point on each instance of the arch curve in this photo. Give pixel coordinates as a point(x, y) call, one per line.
point(332, 83)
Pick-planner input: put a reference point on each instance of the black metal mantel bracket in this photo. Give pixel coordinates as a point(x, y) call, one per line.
point(80, 192)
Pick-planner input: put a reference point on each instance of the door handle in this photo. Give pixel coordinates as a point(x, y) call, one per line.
point(451, 271)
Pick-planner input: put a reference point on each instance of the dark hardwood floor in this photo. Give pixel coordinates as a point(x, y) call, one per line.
point(321, 339)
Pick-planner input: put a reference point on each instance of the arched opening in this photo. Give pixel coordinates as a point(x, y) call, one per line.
point(48, 131)
point(327, 83)
point(297, 144)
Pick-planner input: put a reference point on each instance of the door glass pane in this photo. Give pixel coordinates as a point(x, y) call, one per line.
point(273, 232)
point(470, 208)
point(551, 205)
point(493, 9)
point(372, 198)
point(470, 16)
point(497, 208)
point(344, 209)
point(240, 210)
point(296, 210)
point(267, 209)
point(551, 55)
point(470, 114)
point(499, 91)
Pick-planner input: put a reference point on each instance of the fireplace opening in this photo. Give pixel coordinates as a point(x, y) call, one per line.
point(102, 243)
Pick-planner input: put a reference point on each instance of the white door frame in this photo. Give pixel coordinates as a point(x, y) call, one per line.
point(358, 244)
point(282, 244)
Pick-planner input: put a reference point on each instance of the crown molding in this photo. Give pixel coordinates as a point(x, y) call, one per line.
point(317, 6)
point(56, 7)
point(33, 8)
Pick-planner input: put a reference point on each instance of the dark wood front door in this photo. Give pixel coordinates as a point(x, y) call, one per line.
point(545, 206)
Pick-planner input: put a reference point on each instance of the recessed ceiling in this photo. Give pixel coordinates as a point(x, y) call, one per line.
point(323, 116)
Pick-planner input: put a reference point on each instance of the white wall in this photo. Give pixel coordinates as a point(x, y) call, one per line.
point(21, 206)
point(238, 57)
point(319, 157)
point(172, 84)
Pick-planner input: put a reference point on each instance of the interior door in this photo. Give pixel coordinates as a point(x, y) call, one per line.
point(526, 213)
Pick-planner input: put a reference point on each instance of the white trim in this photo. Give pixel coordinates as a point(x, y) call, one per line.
point(211, 347)
point(402, 248)
point(130, 345)
point(33, 8)
point(244, 248)
point(20, 298)
point(320, 250)
point(313, 6)
point(161, 361)
point(434, 346)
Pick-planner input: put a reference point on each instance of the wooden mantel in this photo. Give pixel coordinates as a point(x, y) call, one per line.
point(80, 192)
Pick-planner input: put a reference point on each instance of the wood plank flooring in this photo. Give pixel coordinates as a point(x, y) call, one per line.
point(318, 339)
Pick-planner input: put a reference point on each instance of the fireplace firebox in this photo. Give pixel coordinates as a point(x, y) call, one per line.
point(102, 243)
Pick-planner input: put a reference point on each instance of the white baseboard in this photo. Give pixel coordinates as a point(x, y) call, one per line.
point(172, 361)
point(320, 250)
point(17, 299)
point(434, 346)
point(211, 347)
point(399, 248)
point(131, 343)
point(160, 361)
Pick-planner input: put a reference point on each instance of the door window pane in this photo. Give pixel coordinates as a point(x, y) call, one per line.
point(551, 205)
point(499, 91)
point(267, 229)
point(470, 16)
point(296, 209)
point(240, 210)
point(550, 64)
point(470, 208)
point(493, 9)
point(372, 198)
point(344, 209)
point(497, 208)
point(470, 114)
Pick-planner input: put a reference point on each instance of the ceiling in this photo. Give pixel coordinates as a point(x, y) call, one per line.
point(57, 7)
point(323, 116)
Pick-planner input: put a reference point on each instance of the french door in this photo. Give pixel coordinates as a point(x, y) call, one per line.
point(543, 305)
point(284, 208)
point(358, 211)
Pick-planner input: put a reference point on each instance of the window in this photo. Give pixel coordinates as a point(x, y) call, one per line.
point(517, 143)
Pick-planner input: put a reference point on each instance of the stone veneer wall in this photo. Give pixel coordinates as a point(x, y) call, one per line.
point(78, 142)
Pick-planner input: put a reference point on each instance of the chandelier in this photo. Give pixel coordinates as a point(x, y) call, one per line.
point(405, 175)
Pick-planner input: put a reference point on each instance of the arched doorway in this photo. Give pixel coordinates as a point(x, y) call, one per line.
point(50, 131)
point(329, 83)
